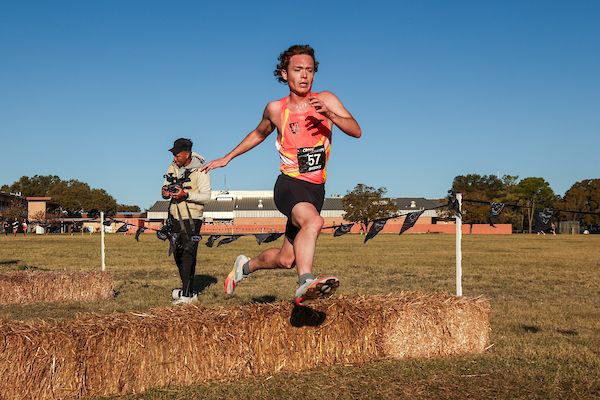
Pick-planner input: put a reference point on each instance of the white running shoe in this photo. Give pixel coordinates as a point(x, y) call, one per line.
point(236, 275)
point(184, 299)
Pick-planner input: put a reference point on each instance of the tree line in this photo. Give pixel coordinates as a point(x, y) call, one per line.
point(365, 204)
point(73, 197)
point(528, 195)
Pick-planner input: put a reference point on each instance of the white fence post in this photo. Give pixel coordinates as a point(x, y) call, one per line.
point(459, 245)
point(102, 239)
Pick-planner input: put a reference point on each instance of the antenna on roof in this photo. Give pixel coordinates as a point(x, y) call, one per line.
point(225, 190)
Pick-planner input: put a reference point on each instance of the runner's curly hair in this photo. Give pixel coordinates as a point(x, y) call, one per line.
point(285, 57)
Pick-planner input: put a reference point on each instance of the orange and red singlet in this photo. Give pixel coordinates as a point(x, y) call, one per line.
point(304, 144)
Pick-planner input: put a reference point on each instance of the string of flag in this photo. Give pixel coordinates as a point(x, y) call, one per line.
point(543, 220)
point(543, 216)
point(376, 227)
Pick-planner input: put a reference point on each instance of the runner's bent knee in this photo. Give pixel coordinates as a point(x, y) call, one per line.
point(314, 224)
point(285, 261)
point(305, 215)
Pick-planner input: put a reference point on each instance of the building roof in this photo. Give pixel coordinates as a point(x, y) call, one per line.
point(219, 206)
point(247, 204)
point(332, 203)
point(254, 204)
point(12, 195)
point(160, 206)
point(414, 203)
point(39, 198)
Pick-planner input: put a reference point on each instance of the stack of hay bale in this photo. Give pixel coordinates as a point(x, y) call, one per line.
point(107, 355)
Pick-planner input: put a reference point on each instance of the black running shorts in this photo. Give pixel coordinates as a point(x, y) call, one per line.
point(290, 191)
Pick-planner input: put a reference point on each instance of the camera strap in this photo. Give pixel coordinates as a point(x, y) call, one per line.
point(188, 228)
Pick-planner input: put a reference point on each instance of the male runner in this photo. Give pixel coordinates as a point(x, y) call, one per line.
point(304, 121)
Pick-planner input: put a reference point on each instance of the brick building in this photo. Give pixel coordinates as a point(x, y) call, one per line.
point(8, 200)
point(255, 212)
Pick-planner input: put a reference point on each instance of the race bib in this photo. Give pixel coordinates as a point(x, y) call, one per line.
point(311, 159)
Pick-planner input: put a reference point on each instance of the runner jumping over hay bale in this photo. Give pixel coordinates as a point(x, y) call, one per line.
point(304, 121)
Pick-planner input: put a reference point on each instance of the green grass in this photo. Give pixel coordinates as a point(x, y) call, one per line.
point(544, 293)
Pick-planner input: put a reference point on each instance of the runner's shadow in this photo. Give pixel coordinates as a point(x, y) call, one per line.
point(264, 299)
point(312, 123)
point(201, 282)
point(530, 328)
point(306, 316)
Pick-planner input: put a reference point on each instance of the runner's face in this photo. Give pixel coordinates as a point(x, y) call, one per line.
point(300, 73)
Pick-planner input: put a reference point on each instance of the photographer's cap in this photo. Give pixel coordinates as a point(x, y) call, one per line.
point(181, 145)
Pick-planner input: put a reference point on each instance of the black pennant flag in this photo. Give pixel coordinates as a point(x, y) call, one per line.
point(410, 220)
point(543, 219)
point(342, 229)
point(124, 228)
point(375, 228)
point(211, 240)
point(453, 205)
point(137, 233)
point(165, 232)
point(229, 239)
point(267, 237)
point(496, 209)
point(174, 240)
point(192, 242)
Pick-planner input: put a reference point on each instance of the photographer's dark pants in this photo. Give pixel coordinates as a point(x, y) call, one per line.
point(186, 259)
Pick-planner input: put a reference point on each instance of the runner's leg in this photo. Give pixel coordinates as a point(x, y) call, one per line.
point(307, 218)
point(274, 257)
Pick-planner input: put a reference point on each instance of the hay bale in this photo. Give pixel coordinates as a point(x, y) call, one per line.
point(108, 355)
point(55, 286)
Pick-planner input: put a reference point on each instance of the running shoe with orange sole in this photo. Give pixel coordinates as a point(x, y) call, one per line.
point(314, 289)
point(236, 275)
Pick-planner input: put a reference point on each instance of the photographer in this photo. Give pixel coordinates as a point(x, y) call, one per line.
point(188, 190)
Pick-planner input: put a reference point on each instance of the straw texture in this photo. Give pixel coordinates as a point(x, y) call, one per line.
point(102, 355)
point(54, 286)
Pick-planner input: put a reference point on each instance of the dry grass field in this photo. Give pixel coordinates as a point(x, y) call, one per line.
point(544, 293)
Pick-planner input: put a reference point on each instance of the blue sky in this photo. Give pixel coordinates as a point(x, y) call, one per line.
point(98, 90)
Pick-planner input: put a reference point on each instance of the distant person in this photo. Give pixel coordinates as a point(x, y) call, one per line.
point(187, 201)
point(15, 226)
point(553, 228)
point(5, 227)
point(304, 121)
point(24, 226)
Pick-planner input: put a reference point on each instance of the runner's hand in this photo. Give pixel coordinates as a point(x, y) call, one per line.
point(218, 163)
point(319, 106)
